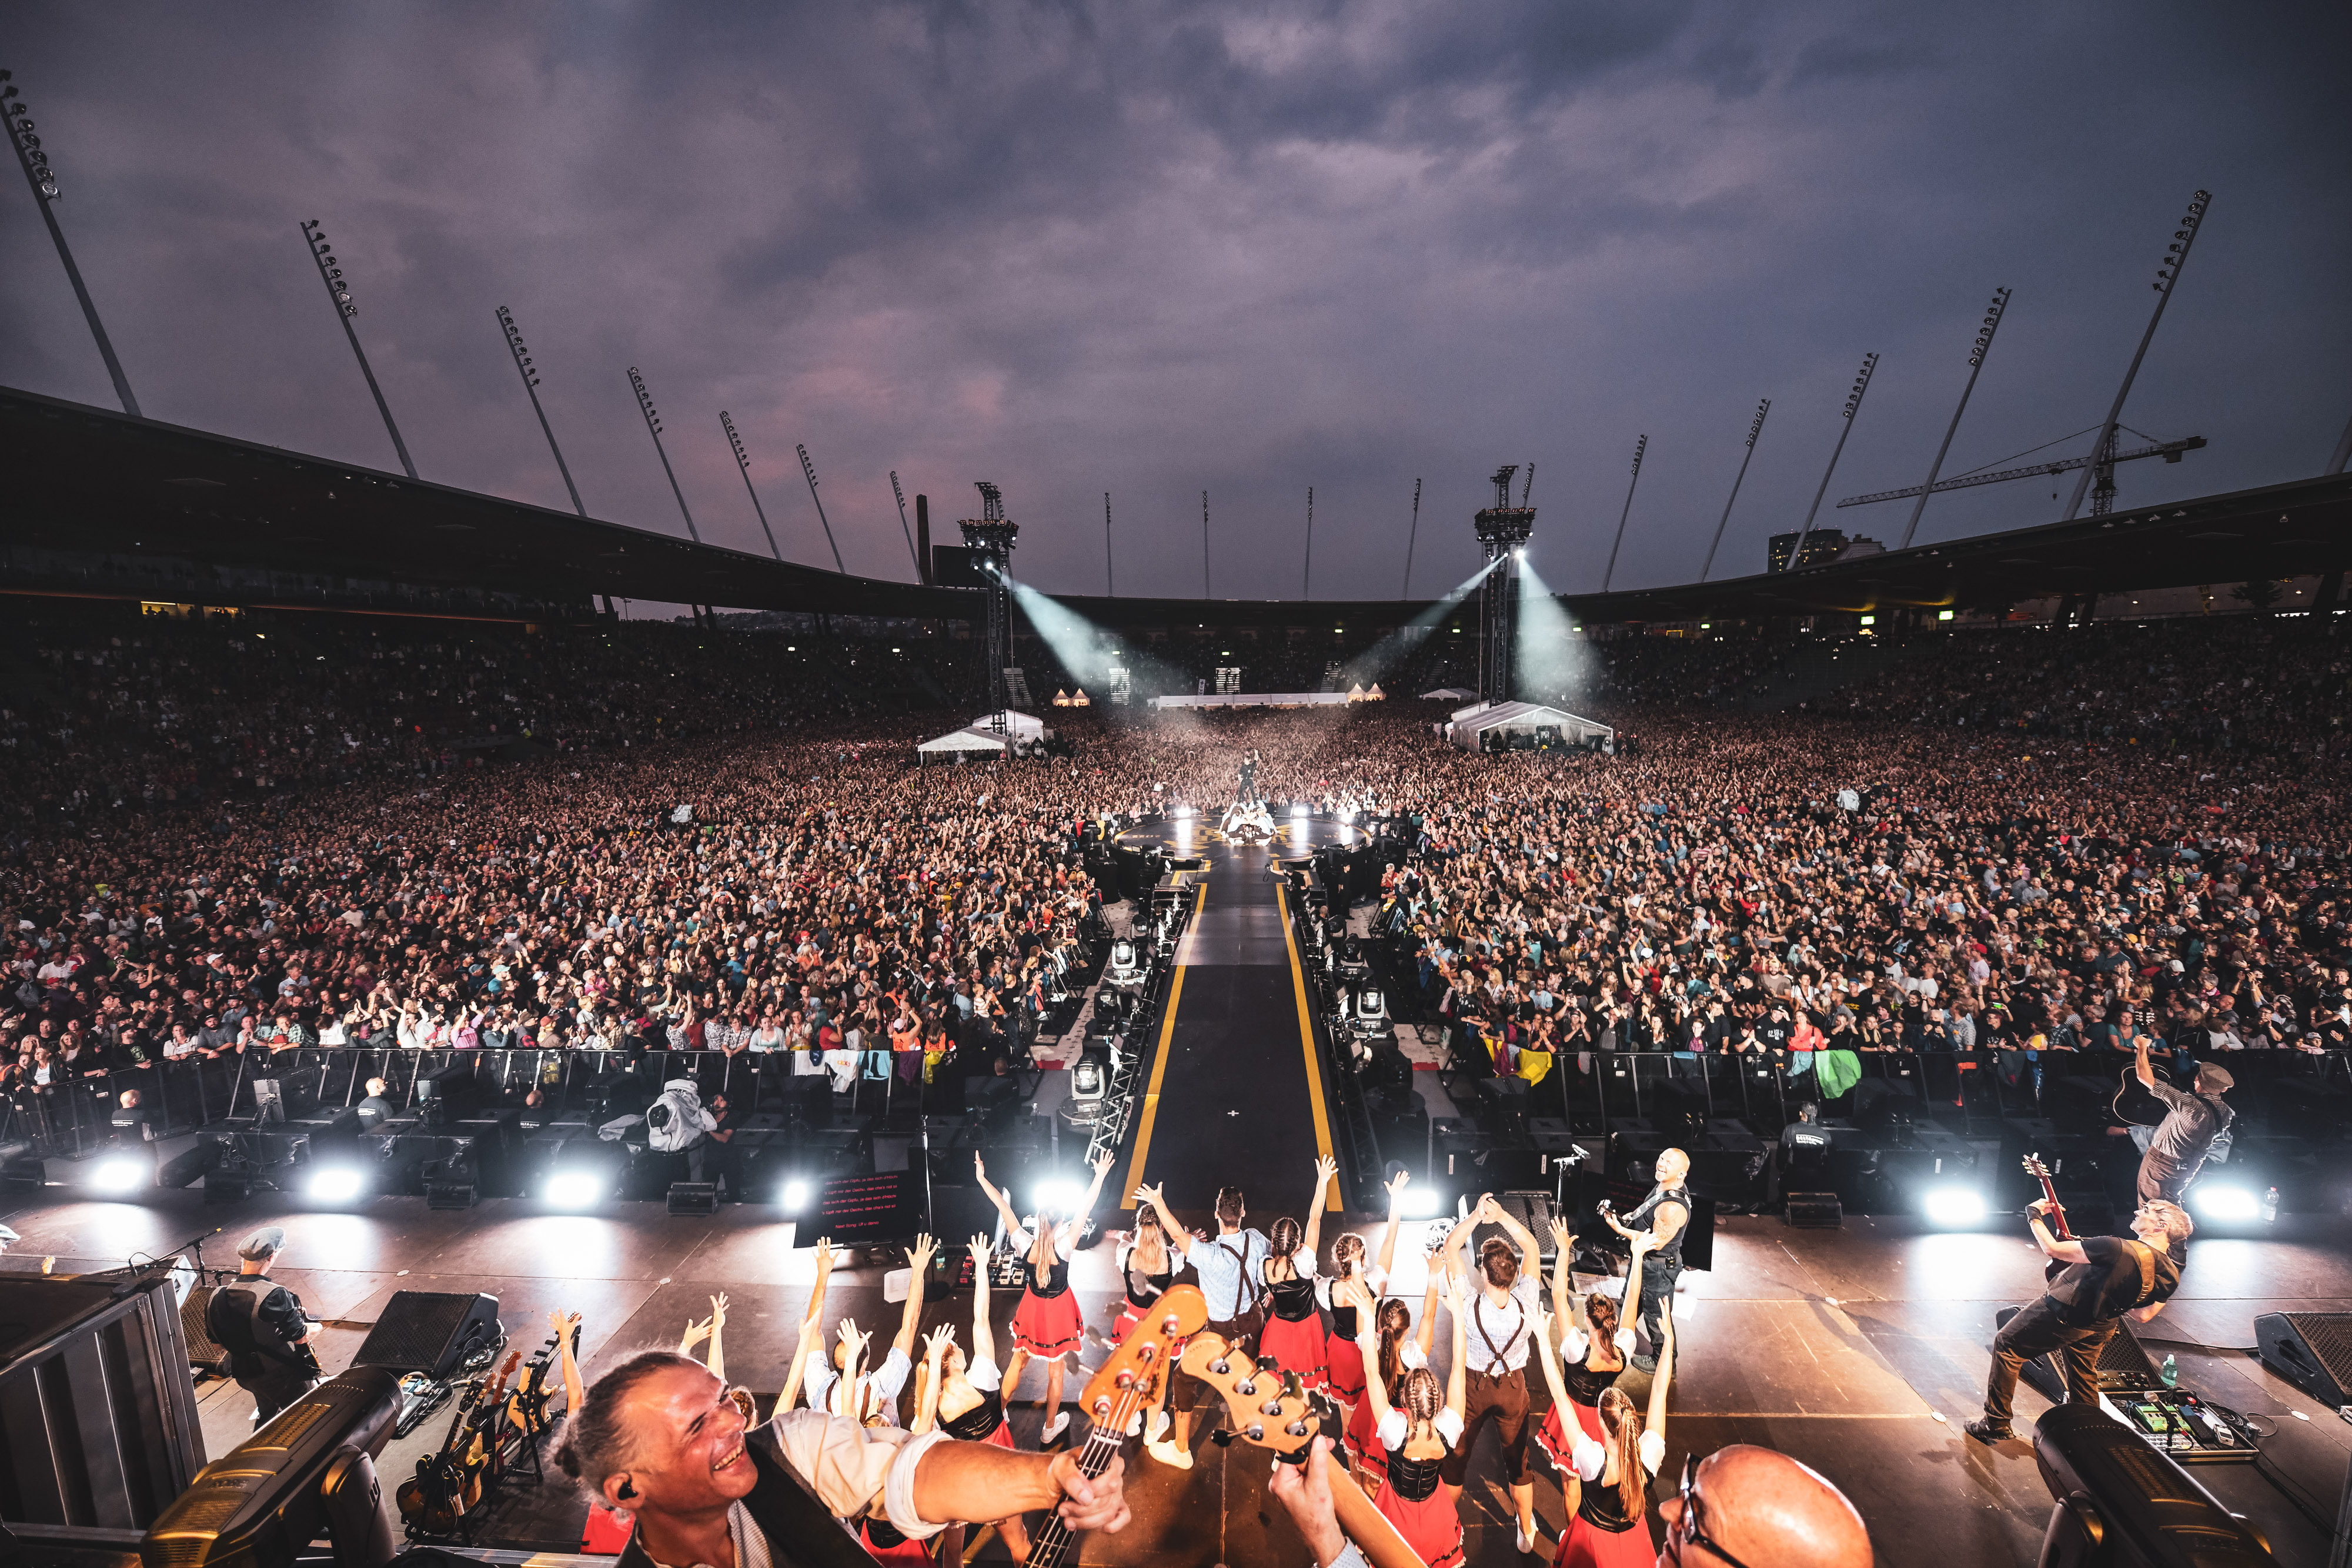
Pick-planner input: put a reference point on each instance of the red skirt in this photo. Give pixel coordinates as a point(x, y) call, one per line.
point(1343, 1359)
point(1048, 1326)
point(904, 1552)
point(1364, 1442)
point(1584, 1544)
point(1552, 1438)
point(1297, 1346)
point(1432, 1527)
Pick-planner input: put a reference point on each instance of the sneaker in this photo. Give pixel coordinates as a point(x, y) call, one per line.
point(1985, 1429)
point(1053, 1428)
point(1156, 1426)
point(1642, 1363)
point(1522, 1540)
point(1169, 1453)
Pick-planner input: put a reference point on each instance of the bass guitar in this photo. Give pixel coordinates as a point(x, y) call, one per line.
point(1266, 1408)
point(2057, 1214)
point(1134, 1379)
point(527, 1409)
point(466, 1473)
point(433, 1490)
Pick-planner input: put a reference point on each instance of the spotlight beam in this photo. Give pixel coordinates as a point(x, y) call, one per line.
point(1375, 662)
point(1554, 662)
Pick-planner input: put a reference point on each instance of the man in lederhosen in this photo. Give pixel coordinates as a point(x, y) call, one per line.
point(1232, 1266)
point(1500, 1330)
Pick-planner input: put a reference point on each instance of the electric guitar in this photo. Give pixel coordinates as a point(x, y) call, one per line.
point(2057, 1213)
point(430, 1492)
point(526, 1409)
point(2133, 1105)
point(1266, 1408)
point(456, 1486)
point(1134, 1379)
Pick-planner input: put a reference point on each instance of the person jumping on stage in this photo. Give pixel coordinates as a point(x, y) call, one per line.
point(1667, 1215)
point(2193, 1121)
point(1592, 1360)
point(1294, 1334)
point(1230, 1263)
point(1502, 1304)
point(1048, 1323)
point(1606, 1485)
point(1420, 1435)
point(1343, 1363)
point(2106, 1278)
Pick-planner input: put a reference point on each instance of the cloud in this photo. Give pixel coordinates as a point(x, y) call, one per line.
point(1157, 249)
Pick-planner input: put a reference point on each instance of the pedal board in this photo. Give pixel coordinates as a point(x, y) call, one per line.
point(2178, 1423)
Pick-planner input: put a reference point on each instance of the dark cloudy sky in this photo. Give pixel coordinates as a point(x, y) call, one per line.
point(1156, 248)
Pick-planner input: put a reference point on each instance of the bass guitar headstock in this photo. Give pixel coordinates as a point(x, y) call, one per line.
point(1265, 1402)
point(1136, 1375)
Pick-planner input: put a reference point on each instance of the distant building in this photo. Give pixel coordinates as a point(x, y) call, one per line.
point(1821, 547)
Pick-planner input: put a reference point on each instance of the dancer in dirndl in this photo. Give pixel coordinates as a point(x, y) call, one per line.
point(1048, 1325)
point(1294, 1333)
point(1416, 1434)
point(1606, 1486)
point(1591, 1360)
point(1343, 1363)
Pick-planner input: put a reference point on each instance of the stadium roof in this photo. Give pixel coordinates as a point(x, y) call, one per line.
point(94, 481)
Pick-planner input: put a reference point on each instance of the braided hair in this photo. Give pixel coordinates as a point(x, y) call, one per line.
point(1423, 1397)
point(1620, 1428)
point(1395, 1321)
point(1346, 1253)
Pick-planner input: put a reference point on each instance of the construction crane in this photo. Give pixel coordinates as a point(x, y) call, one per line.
point(2169, 451)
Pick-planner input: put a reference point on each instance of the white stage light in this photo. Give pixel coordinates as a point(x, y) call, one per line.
point(574, 1189)
point(336, 1184)
point(2226, 1203)
point(1299, 811)
point(794, 1197)
point(121, 1174)
point(1087, 1081)
point(1060, 1196)
point(1419, 1203)
point(1955, 1206)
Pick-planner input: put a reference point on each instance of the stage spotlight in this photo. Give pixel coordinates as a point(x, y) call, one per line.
point(1087, 1081)
point(2230, 1205)
point(121, 1174)
point(1953, 1206)
point(793, 1198)
point(1419, 1203)
point(574, 1189)
point(1299, 811)
point(335, 1183)
point(1059, 1195)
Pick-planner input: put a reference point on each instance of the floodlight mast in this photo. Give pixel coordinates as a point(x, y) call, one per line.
point(912, 553)
point(314, 239)
point(743, 461)
point(2102, 465)
point(1503, 531)
point(1640, 446)
point(991, 538)
point(1977, 352)
point(1110, 578)
point(1755, 429)
point(809, 470)
point(531, 388)
point(1853, 405)
point(39, 173)
point(654, 429)
point(1410, 538)
point(1306, 573)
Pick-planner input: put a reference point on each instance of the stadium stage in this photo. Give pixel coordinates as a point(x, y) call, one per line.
point(1859, 1352)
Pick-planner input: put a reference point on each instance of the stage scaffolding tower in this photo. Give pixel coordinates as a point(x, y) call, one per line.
point(991, 538)
point(1502, 529)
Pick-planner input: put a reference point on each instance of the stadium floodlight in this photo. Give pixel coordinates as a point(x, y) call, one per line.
point(1640, 447)
point(531, 388)
point(743, 461)
point(339, 291)
point(2168, 273)
point(574, 1189)
point(794, 1197)
point(42, 175)
point(1954, 1208)
point(1755, 429)
point(654, 429)
point(1977, 352)
point(1852, 406)
point(121, 1174)
point(335, 1183)
point(2229, 1204)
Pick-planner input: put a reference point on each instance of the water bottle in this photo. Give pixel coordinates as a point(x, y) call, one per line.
point(2270, 1206)
point(2170, 1372)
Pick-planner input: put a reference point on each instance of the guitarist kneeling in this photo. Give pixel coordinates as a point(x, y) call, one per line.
point(2106, 1277)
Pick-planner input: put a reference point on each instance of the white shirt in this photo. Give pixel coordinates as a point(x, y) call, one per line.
point(850, 1468)
point(1575, 1344)
point(1590, 1458)
point(1394, 1427)
point(876, 1390)
point(1496, 1336)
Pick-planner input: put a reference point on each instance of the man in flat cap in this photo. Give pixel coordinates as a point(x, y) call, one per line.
point(2194, 1120)
point(260, 1324)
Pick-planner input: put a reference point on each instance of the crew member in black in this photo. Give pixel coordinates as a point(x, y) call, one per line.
point(2193, 1121)
point(260, 1324)
point(1665, 1214)
point(2106, 1278)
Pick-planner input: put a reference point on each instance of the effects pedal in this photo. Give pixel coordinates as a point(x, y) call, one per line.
point(2178, 1423)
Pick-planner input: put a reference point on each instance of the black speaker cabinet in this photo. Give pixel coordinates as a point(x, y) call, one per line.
point(2311, 1350)
point(431, 1331)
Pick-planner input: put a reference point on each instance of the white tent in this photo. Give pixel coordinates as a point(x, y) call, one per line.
point(956, 744)
point(1524, 724)
point(1017, 725)
point(1450, 695)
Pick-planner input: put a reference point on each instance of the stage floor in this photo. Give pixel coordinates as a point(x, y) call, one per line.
point(1199, 835)
point(1841, 1348)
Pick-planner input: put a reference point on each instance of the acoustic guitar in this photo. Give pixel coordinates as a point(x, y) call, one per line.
point(2133, 1105)
point(1268, 1409)
point(1134, 1379)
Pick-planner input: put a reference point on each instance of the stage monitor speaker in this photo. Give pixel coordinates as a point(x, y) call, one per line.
point(2121, 1501)
point(693, 1198)
point(431, 1331)
point(2311, 1350)
point(1814, 1211)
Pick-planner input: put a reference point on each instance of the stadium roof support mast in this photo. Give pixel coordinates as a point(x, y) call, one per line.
point(315, 239)
point(991, 537)
point(743, 461)
point(43, 178)
point(912, 553)
point(1640, 446)
point(809, 470)
point(1755, 429)
point(1853, 405)
point(531, 389)
point(2102, 465)
point(1503, 530)
point(654, 429)
point(1977, 351)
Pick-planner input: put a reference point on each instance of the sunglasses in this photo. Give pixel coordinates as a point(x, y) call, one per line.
point(1689, 1528)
